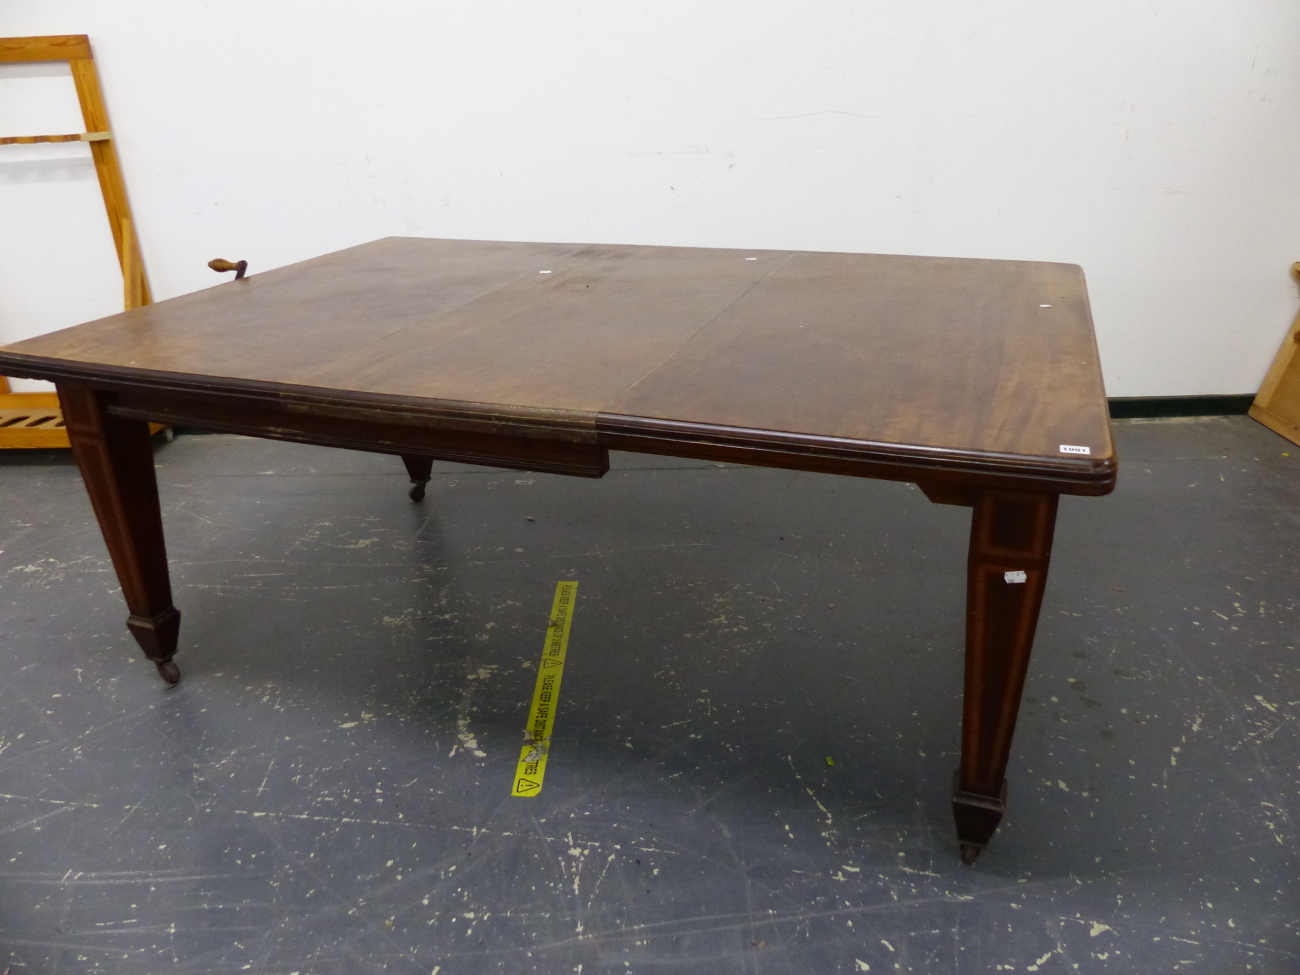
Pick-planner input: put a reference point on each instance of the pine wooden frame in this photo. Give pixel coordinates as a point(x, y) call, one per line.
point(1277, 404)
point(35, 419)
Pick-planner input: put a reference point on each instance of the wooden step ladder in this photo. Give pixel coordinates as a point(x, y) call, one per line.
point(1277, 405)
point(34, 419)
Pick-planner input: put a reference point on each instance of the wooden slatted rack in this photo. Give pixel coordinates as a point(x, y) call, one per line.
point(34, 419)
point(30, 419)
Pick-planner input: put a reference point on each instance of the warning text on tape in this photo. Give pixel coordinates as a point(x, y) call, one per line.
point(531, 770)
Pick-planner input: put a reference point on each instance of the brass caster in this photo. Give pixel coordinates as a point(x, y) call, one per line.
point(169, 672)
point(417, 492)
point(970, 852)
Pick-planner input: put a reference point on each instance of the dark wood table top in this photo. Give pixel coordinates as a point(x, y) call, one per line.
point(937, 360)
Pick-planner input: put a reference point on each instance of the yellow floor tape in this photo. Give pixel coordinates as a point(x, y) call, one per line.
point(546, 695)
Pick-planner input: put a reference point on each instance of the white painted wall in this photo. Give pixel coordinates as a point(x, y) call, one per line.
point(1155, 142)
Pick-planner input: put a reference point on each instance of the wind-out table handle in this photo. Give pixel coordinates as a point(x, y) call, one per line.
point(220, 265)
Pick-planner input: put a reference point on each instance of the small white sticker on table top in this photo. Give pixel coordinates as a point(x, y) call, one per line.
point(1071, 449)
point(751, 258)
point(1017, 576)
point(543, 272)
point(1044, 306)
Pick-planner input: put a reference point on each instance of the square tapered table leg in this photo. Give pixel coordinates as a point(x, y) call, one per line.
point(1010, 547)
point(115, 455)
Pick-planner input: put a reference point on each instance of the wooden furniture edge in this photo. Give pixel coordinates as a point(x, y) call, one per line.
point(55, 47)
point(40, 408)
point(899, 462)
point(21, 140)
point(573, 425)
point(43, 436)
point(1277, 424)
point(1285, 353)
point(178, 398)
point(489, 442)
point(74, 49)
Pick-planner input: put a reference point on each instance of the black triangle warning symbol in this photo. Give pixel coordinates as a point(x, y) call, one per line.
point(551, 662)
point(525, 786)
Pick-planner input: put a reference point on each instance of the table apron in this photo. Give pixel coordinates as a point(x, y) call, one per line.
point(576, 449)
point(495, 444)
point(946, 483)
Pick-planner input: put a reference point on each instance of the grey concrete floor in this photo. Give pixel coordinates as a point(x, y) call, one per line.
point(328, 788)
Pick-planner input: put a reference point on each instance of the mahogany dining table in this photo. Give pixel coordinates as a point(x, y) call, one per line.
point(977, 380)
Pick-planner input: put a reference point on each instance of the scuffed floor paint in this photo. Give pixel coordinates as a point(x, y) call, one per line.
point(327, 789)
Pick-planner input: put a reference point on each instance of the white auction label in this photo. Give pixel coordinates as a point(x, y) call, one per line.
point(1070, 449)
